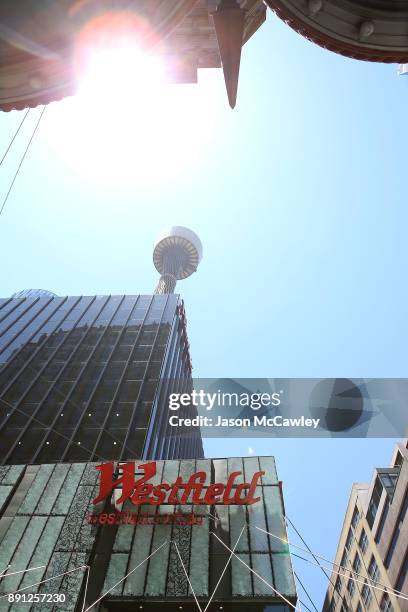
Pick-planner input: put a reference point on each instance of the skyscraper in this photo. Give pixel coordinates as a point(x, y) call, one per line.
point(372, 556)
point(84, 378)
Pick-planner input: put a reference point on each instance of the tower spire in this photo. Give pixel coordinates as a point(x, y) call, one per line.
point(229, 22)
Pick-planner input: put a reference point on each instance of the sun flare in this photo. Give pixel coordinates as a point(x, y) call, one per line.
point(128, 124)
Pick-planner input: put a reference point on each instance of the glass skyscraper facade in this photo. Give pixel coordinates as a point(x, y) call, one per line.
point(85, 378)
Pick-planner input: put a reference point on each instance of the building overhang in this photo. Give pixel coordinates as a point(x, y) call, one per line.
point(38, 41)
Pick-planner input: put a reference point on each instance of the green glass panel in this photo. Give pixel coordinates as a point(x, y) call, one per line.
point(141, 549)
point(170, 471)
point(124, 537)
point(157, 478)
point(22, 556)
point(256, 515)
point(220, 470)
point(72, 582)
point(268, 465)
point(4, 493)
point(36, 490)
point(223, 528)
point(251, 465)
point(187, 467)
point(275, 520)
point(11, 539)
point(116, 571)
point(43, 551)
point(13, 474)
point(204, 465)
point(283, 573)
point(52, 489)
point(241, 577)
point(238, 518)
point(262, 565)
point(57, 566)
point(157, 570)
point(235, 464)
point(68, 491)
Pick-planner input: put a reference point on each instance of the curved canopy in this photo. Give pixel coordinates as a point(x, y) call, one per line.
point(373, 30)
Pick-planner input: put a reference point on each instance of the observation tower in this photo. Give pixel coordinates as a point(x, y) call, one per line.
point(177, 253)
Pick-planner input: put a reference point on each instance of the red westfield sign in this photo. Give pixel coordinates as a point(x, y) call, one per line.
point(140, 491)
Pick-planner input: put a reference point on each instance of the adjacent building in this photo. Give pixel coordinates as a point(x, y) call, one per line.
point(373, 545)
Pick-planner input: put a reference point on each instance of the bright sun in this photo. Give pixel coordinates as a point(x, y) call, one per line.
point(126, 123)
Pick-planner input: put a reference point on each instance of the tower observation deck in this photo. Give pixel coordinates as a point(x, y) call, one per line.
point(177, 253)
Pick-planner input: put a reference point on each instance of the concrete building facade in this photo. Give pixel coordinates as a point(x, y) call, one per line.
point(371, 563)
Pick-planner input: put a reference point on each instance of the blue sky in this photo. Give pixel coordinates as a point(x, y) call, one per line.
point(299, 198)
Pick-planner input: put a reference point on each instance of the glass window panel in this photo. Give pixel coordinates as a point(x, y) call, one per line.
point(363, 542)
point(71, 371)
point(122, 353)
point(357, 563)
point(55, 447)
point(14, 314)
point(53, 369)
point(403, 574)
point(7, 308)
point(135, 443)
point(93, 371)
point(68, 418)
point(121, 415)
point(135, 323)
point(136, 370)
point(29, 445)
point(147, 337)
point(64, 353)
point(82, 392)
point(141, 353)
point(115, 370)
point(129, 391)
point(366, 595)
point(149, 391)
point(105, 391)
point(20, 416)
point(158, 353)
point(102, 353)
point(98, 411)
point(154, 370)
point(110, 444)
point(142, 414)
point(355, 518)
point(128, 338)
point(349, 539)
point(386, 605)
point(38, 391)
